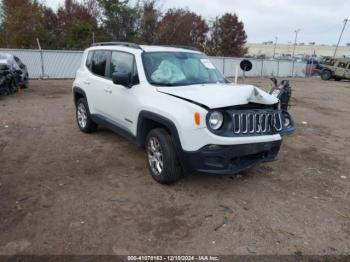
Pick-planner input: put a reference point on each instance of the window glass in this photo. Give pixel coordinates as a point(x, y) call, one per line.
point(124, 63)
point(89, 59)
point(343, 64)
point(180, 68)
point(99, 61)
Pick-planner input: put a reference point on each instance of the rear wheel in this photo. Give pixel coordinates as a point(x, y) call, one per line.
point(337, 78)
point(85, 123)
point(326, 75)
point(162, 160)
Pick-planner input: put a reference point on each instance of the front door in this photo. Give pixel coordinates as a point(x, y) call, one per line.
point(122, 100)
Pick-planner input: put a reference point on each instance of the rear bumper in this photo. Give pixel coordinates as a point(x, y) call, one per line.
point(229, 159)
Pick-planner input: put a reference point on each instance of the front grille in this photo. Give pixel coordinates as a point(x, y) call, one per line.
point(256, 123)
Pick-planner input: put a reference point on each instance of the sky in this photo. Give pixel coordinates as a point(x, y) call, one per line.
point(319, 21)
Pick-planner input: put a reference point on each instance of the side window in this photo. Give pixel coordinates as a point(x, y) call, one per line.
point(124, 63)
point(343, 64)
point(99, 61)
point(89, 59)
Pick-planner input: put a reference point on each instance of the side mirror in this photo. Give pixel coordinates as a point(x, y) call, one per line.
point(122, 79)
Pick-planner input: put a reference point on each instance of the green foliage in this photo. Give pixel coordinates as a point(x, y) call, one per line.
point(119, 19)
point(75, 23)
point(228, 37)
point(80, 35)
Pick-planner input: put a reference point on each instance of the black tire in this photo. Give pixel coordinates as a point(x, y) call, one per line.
point(337, 78)
point(326, 75)
point(90, 126)
point(171, 170)
point(26, 81)
point(13, 87)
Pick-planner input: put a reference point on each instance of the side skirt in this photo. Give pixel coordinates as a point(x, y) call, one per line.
point(103, 121)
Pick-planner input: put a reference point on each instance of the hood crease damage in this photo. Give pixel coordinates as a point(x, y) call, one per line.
point(220, 95)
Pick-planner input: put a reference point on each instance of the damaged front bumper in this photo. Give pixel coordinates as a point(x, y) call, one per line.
point(288, 124)
point(229, 159)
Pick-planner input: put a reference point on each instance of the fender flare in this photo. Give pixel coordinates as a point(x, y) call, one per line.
point(147, 115)
point(78, 90)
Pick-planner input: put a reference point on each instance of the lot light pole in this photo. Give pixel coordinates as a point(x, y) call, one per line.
point(295, 43)
point(341, 34)
point(274, 48)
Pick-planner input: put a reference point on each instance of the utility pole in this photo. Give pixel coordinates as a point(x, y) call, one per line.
point(41, 59)
point(295, 44)
point(274, 48)
point(341, 34)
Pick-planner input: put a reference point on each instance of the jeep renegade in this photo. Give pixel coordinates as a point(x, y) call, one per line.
point(179, 107)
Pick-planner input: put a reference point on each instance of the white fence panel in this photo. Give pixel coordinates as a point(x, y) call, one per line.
point(64, 64)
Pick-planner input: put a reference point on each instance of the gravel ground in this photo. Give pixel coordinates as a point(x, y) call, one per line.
point(65, 192)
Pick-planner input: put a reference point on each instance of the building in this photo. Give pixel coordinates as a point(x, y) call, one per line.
point(301, 50)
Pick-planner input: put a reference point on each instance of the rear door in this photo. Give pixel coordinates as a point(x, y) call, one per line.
point(96, 83)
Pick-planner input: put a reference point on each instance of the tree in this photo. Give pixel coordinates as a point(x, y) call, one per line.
point(119, 19)
point(182, 27)
point(49, 37)
point(148, 22)
point(21, 23)
point(76, 24)
point(228, 37)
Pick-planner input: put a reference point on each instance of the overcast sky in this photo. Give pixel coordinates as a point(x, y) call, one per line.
point(319, 20)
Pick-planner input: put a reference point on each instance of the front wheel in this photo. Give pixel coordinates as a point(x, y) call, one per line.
point(326, 75)
point(85, 123)
point(162, 159)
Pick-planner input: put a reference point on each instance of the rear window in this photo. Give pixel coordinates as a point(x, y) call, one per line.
point(99, 61)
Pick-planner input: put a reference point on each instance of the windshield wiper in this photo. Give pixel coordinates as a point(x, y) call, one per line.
point(162, 84)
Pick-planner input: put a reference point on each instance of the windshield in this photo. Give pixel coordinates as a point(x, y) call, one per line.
point(180, 68)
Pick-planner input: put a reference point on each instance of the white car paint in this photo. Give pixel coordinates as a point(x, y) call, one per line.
point(123, 105)
point(221, 95)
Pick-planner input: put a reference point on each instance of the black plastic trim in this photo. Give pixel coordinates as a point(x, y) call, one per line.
point(230, 159)
point(78, 90)
point(126, 44)
point(147, 115)
point(116, 128)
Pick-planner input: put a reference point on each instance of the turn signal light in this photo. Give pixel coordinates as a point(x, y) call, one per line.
point(197, 118)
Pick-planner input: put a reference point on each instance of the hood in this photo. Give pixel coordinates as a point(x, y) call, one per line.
point(220, 95)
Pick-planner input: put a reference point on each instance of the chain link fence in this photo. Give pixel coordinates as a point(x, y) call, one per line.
point(61, 64)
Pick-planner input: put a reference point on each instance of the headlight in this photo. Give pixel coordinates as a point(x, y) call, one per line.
point(216, 119)
point(276, 92)
point(287, 122)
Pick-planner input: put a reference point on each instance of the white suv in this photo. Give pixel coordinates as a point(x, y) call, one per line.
point(176, 104)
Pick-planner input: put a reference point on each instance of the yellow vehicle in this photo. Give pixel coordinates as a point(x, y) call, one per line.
point(336, 69)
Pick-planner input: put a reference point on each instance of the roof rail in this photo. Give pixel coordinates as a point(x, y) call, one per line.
point(184, 47)
point(132, 45)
